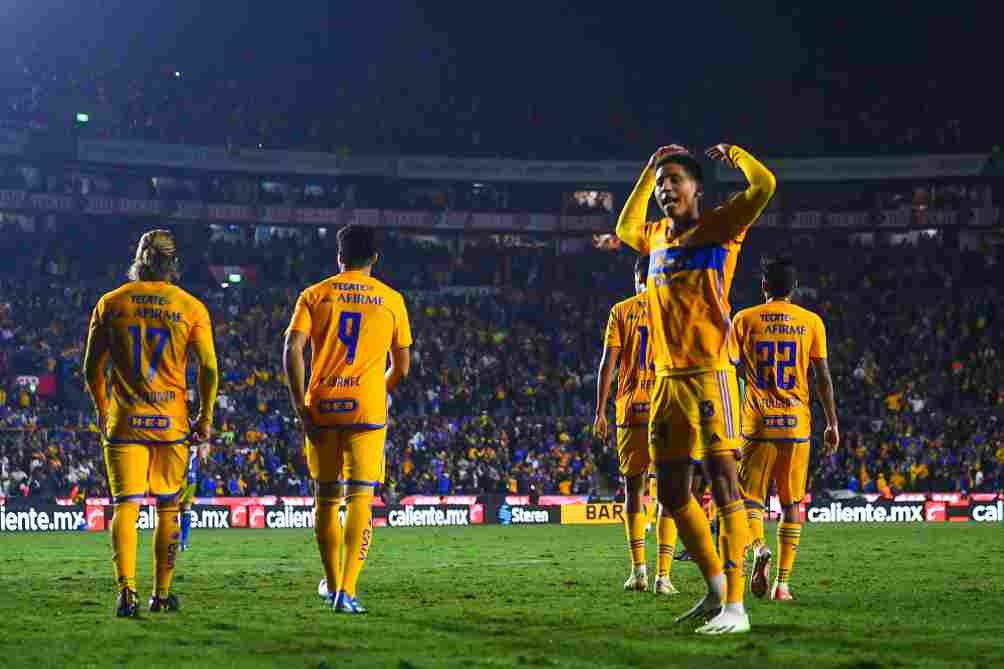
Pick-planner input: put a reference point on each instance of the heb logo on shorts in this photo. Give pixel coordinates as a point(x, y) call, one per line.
point(344, 405)
point(780, 422)
point(987, 513)
point(149, 422)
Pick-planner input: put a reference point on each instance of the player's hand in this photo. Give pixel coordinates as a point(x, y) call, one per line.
point(720, 152)
point(831, 439)
point(668, 150)
point(606, 242)
point(202, 433)
point(303, 413)
point(600, 426)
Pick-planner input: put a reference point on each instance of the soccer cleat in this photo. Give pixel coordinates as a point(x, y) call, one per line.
point(342, 603)
point(663, 586)
point(183, 547)
point(167, 604)
point(709, 607)
point(322, 589)
point(637, 581)
point(127, 604)
point(726, 622)
point(683, 556)
point(760, 574)
point(780, 592)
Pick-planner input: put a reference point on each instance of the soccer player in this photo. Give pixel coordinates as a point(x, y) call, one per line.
point(145, 329)
point(353, 323)
point(625, 346)
point(778, 342)
point(694, 412)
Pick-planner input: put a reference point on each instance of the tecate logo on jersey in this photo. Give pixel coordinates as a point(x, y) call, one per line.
point(149, 422)
point(987, 513)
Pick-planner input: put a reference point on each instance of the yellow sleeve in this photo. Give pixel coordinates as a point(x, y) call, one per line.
point(631, 226)
point(612, 337)
point(301, 321)
point(201, 340)
point(818, 346)
point(402, 326)
point(732, 219)
point(97, 344)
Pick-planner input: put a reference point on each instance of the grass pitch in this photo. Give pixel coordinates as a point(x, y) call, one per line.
point(868, 596)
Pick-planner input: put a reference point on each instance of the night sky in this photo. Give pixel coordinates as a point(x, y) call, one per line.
point(680, 61)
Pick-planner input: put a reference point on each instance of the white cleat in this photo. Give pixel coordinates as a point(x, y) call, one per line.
point(780, 592)
point(322, 588)
point(726, 622)
point(663, 586)
point(637, 581)
point(708, 607)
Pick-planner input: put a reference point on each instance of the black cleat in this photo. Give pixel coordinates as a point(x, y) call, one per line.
point(683, 556)
point(128, 604)
point(167, 604)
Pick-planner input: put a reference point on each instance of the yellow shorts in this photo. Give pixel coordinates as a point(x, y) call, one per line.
point(134, 470)
point(786, 462)
point(632, 450)
point(352, 457)
point(694, 415)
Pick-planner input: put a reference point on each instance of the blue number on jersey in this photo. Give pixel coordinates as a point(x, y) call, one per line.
point(769, 354)
point(349, 323)
point(160, 336)
point(643, 348)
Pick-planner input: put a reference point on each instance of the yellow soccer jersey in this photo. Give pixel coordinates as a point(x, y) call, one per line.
point(149, 328)
point(690, 272)
point(627, 330)
point(776, 342)
point(353, 322)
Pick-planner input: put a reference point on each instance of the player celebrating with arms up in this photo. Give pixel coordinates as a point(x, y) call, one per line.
point(694, 412)
point(626, 345)
point(778, 342)
point(353, 322)
point(146, 328)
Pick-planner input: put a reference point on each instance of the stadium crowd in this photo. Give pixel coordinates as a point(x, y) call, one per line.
point(503, 376)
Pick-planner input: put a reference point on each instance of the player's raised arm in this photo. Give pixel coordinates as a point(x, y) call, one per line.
point(631, 222)
point(209, 377)
point(95, 359)
point(736, 215)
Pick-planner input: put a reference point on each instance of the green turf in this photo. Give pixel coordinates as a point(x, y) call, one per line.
point(868, 596)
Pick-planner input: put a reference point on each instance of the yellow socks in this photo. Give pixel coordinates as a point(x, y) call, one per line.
point(125, 538)
point(695, 532)
point(358, 538)
point(734, 533)
point(634, 526)
point(666, 535)
point(788, 537)
point(754, 516)
point(165, 546)
point(330, 539)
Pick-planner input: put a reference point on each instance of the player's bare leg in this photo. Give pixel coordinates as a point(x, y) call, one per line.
point(734, 530)
point(789, 533)
point(634, 528)
point(692, 525)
